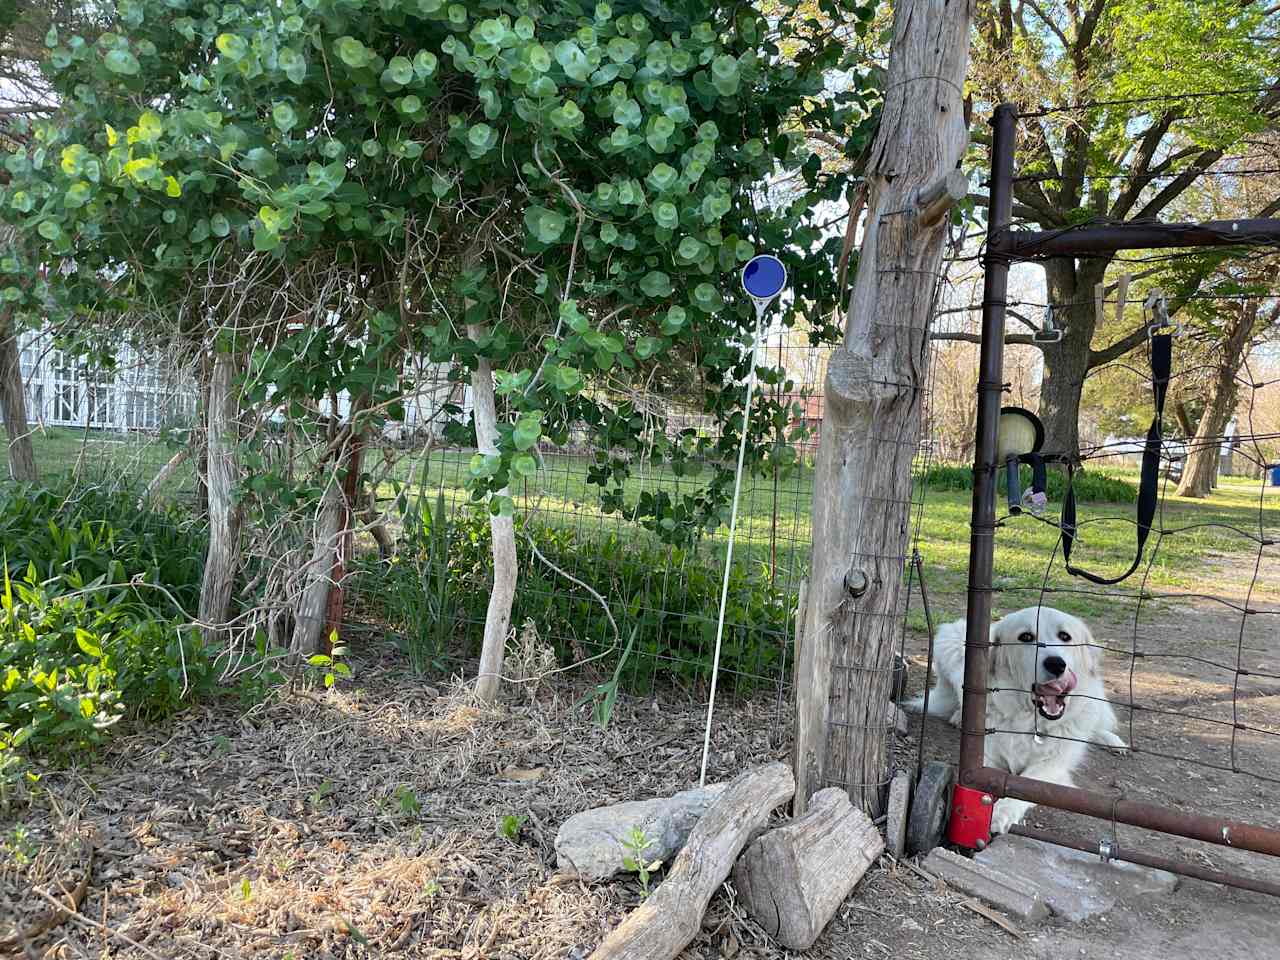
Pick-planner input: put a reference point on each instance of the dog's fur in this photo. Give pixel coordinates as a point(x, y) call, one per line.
point(1029, 741)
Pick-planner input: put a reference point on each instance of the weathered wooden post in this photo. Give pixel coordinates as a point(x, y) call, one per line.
point(873, 398)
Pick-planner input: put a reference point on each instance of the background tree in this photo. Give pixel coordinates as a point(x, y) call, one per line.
point(1121, 161)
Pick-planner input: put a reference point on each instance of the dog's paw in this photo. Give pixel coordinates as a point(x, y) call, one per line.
point(1008, 813)
point(1114, 744)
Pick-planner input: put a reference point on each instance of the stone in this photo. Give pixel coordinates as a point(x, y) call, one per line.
point(1074, 884)
point(591, 844)
point(1010, 894)
point(895, 826)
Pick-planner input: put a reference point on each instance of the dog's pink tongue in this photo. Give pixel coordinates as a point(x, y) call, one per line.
point(1060, 687)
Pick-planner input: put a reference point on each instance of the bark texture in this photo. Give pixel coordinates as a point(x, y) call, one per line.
point(793, 879)
point(498, 616)
point(311, 612)
point(871, 426)
point(13, 405)
point(1200, 472)
point(223, 559)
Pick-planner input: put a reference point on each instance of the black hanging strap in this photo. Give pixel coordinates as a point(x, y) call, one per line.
point(1148, 487)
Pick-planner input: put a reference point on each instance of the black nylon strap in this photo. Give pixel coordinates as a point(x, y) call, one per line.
point(1149, 484)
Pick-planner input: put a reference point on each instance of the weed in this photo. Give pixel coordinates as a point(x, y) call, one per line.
point(636, 843)
point(511, 825)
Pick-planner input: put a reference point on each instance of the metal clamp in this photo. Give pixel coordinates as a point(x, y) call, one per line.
point(1106, 851)
point(1156, 306)
point(1050, 332)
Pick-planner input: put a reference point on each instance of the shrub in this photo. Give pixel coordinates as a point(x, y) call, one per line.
point(667, 595)
point(1090, 486)
point(85, 637)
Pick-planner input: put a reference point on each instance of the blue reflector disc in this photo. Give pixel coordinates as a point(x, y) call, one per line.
point(764, 277)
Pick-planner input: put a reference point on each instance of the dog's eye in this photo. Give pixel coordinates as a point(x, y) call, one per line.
point(1064, 636)
point(1026, 637)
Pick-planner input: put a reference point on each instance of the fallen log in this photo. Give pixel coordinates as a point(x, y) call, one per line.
point(670, 918)
point(793, 879)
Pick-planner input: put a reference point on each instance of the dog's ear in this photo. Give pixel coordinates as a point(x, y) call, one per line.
point(993, 652)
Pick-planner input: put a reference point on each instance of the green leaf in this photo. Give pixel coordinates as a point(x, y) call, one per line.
point(399, 71)
point(666, 215)
point(656, 284)
point(647, 347)
point(725, 75)
point(86, 642)
point(524, 465)
point(122, 62)
point(232, 46)
point(545, 225)
point(352, 52)
point(219, 225)
point(663, 177)
point(527, 433)
point(674, 321)
point(572, 60)
point(73, 157)
point(283, 116)
point(172, 187)
point(409, 104)
point(293, 64)
point(424, 64)
point(275, 221)
point(524, 28)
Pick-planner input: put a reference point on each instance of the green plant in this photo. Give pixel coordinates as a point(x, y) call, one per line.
point(636, 843)
point(20, 844)
point(326, 668)
point(510, 826)
point(664, 598)
point(408, 801)
point(605, 694)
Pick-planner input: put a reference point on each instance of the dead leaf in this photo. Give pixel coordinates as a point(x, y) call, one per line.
point(520, 775)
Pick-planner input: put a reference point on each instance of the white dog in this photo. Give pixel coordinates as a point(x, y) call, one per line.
point(1045, 701)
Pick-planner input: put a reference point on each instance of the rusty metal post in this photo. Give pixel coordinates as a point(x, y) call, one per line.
point(990, 391)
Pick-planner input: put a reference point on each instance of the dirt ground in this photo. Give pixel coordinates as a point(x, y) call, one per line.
point(394, 818)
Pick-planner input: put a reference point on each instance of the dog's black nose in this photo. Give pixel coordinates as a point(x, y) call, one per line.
point(1055, 665)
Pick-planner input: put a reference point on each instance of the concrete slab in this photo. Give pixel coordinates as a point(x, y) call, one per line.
point(1074, 884)
point(1006, 892)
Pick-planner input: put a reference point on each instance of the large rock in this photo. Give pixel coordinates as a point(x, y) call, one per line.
point(591, 844)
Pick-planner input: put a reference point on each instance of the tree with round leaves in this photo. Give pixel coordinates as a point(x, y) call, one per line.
point(555, 197)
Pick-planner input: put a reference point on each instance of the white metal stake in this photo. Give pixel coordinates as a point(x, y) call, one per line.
point(761, 306)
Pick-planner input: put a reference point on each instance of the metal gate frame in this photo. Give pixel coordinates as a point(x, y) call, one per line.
point(979, 784)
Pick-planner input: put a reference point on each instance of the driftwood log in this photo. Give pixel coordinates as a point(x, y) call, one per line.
point(670, 918)
point(793, 879)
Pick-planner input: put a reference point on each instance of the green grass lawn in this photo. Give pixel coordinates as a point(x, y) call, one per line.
point(1202, 545)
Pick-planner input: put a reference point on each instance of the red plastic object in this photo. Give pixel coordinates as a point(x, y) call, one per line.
point(970, 825)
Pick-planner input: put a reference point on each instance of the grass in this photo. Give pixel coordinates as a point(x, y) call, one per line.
point(1201, 536)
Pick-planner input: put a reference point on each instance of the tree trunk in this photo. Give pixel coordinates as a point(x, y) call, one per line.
point(1066, 363)
point(498, 617)
point(223, 557)
point(311, 611)
point(13, 404)
point(1200, 470)
point(870, 431)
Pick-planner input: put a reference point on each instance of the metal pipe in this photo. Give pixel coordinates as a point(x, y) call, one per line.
point(1114, 851)
point(1224, 833)
point(982, 527)
point(1085, 241)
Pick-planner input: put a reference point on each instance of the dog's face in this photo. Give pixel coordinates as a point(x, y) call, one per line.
point(1044, 652)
